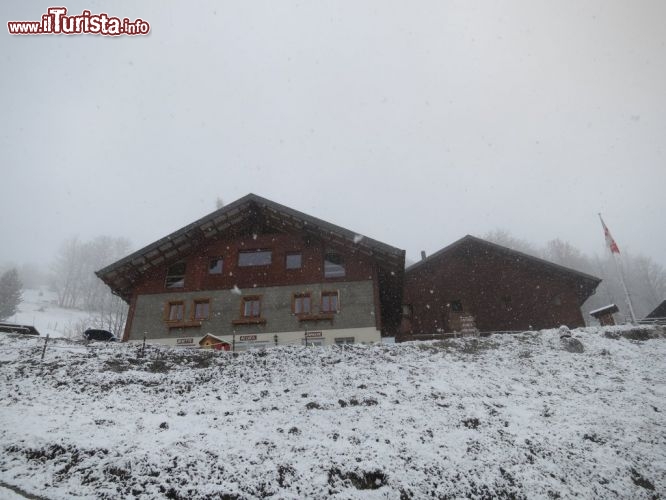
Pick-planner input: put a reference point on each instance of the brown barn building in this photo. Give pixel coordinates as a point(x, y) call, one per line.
point(501, 289)
point(255, 273)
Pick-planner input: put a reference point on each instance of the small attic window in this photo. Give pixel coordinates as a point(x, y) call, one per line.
point(176, 275)
point(334, 266)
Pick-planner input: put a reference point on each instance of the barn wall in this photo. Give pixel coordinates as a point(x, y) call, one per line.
point(501, 292)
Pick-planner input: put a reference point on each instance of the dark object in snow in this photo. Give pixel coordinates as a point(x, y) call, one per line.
point(164, 425)
point(605, 314)
point(100, 335)
point(571, 344)
point(634, 334)
point(640, 480)
point(471, 423)
point(313, 405)
point(360, 480)
point(20, 329)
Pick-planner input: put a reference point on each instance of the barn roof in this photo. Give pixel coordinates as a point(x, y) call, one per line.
point(590, 281)
point(659, 312)
point(121, 275)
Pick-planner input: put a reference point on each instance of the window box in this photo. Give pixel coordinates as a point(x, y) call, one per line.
point(316, 317)
point(183, 324)
point(249, 321)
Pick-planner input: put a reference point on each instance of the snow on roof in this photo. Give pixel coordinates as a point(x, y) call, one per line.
point(611, 308)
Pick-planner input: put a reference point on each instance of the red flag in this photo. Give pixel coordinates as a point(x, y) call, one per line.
point(609, 239)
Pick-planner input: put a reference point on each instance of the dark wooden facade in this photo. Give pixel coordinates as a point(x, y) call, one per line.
point(502, 289)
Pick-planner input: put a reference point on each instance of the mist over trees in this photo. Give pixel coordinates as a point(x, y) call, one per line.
point(10, 293)
point(645, 279)
point(76, 285)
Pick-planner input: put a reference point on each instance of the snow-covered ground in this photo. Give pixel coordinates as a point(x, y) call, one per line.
point(514, 416)
point(39, 308)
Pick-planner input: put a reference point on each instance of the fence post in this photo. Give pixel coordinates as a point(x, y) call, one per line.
point(44, 348)
point(143, 347)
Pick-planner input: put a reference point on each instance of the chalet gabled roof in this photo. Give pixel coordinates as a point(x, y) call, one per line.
point(590, 280)
point(121, 275)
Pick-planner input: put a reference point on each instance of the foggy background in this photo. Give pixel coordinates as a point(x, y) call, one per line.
point(414, 123)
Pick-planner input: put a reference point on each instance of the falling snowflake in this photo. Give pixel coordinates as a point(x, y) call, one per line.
point(236, 290)
point(358, 238)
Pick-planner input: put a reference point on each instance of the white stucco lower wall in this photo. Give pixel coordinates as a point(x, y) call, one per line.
point(367, 335)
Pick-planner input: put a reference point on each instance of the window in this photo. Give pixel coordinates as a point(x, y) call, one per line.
point(251, 307)
point(255, 258)
point(175, 311)
point(313, 342)
point(301, 303)
point(456, 306)
point(334, 266)
point(329, 302)
point(176, 275)
point(201, 309)
point(215, 265)
point(294, 260)
point(344, 340)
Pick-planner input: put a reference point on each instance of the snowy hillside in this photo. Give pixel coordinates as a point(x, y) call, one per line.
point(514, 416)
point(39, 308)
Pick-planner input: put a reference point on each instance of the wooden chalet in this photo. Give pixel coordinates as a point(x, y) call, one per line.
point(257, 273)
point(497, 288)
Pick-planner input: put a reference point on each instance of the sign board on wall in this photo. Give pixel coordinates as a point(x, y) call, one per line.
point(312, 334)
point(185, 341)
point(245, 338)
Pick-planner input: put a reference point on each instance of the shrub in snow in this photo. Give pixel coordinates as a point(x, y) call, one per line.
point(571, 344)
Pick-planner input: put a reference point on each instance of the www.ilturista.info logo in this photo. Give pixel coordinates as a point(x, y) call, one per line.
point(56, 22)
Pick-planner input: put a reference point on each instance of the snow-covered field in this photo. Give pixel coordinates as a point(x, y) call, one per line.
point(39, 309)
point(514, 416)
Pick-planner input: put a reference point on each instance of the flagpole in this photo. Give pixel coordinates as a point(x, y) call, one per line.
point(615, 251)
point(624, 287)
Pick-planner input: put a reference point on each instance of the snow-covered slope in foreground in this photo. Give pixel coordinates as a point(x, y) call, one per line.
point(503, 417)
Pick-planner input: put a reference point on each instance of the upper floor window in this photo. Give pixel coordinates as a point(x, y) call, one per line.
point(176, 275)
point(294, 260)
point(255, 258)
point(334, 266)
point(175, 311)
point(201, 309)
point(302, 303)
point(251, 307)
point(215, 265)
point(456, 306)
point(329, 302)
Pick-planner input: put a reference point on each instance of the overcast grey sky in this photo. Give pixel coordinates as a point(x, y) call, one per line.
point(411, 122)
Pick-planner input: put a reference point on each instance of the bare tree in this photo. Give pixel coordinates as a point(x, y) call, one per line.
point(506, 239)
point(77, 286)
point(10, 293)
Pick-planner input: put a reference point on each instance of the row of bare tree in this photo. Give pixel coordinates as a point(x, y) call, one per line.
point(73, 279)
point(645, 278)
